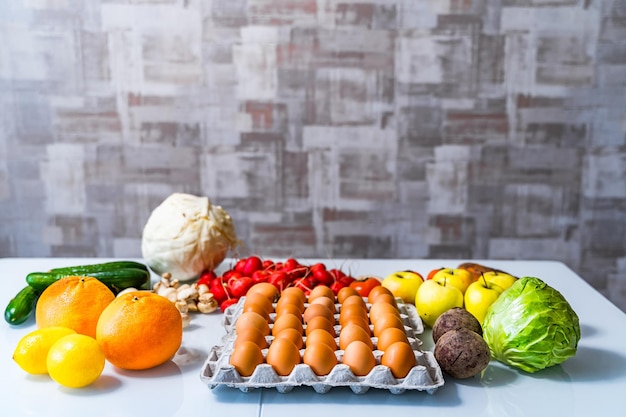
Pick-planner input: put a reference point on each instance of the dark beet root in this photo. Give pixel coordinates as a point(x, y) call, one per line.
point(462, 353)
point(455, 318)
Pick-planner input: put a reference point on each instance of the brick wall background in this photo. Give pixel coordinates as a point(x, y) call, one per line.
point(342, 128)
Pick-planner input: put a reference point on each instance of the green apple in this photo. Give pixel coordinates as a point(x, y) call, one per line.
point(479, 296)
point(433, 298)
point(501, 279)
point(403, 284)
point(458, 278)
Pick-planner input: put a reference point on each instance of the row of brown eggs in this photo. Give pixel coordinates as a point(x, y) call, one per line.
point(295, 321)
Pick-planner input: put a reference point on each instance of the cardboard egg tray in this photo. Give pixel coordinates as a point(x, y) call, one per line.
point(425, 376)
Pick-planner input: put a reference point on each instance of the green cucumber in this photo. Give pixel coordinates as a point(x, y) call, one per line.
point(21, 306)
point(115, 279)
point(106, 266)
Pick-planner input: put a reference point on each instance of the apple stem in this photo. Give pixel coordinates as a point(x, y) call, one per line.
point(484, 280)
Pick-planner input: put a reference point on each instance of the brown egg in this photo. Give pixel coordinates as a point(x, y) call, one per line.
point(315, 310)
point(266, 289)
point(381, 309)
point(359, 358)
point(321, 336)
point(291, 292)
point(325, 301)
point(320, 322)
point(260, 300)
point(320, 357)
point(289, 300)
point(389, 336)
point(292, 334)
point(246, 357)
point(288, 309)
point(353, 299)
point(386, 321)
point(250, 334)
point(400, 358)
point(345, 292)
point(286, 321)
point(352, 310)
point(283, 355)
point(352, 332)
point(386, 298)
point(252, 319)
point(257, 308)
point(321, 291)
point(359, 321)
point(376, 291)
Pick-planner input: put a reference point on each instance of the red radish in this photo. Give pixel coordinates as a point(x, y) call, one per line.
point(291, 264)
point(268, 264)
point(336, 286)
point(227, 303)
point(261, 275)
point(305, 284)
point(231, 273)
point(219, 290)
point(206, 278)
point(240, 265)
point(323, 277)
point(252, 264)
point(279, 280)
point(240, 286)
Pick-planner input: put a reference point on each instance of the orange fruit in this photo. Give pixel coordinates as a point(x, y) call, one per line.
point(139, 330)
point(73, 302)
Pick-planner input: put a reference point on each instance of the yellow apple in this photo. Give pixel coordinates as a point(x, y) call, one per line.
point(479, 296)
point(434, 298)
point(458, 278)
point(501, 279)
point(403, 284)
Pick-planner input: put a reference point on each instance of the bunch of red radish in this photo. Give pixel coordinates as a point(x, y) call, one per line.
point(235, 282)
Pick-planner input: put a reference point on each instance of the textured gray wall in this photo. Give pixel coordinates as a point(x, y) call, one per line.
point(343, 128)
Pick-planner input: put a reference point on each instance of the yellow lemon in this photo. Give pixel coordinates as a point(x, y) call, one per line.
point(32, 350)
point(75, 361)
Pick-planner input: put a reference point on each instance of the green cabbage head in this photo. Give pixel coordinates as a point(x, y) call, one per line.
point(531, 326)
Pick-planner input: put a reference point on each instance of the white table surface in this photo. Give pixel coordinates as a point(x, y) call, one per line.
point(591, 383)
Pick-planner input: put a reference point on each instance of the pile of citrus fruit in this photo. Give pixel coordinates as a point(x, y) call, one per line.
point(81, 325)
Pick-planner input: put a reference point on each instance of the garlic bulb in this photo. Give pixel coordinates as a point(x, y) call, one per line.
point(187, 235)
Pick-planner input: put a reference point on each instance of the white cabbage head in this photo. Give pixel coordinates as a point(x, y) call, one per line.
point(187, 235)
